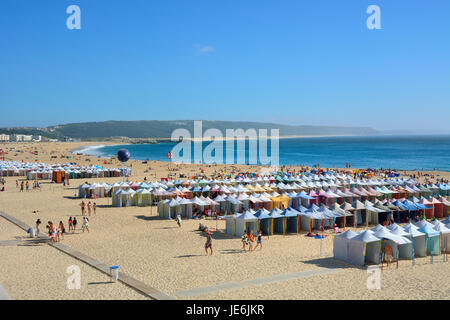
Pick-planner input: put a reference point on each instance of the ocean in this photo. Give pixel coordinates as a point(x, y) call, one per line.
point(395, 152)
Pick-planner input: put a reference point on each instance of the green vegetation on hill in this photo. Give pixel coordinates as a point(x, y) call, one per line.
point(164, 129)
point(33, 131)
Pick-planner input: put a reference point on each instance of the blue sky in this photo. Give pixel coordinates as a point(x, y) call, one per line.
point(291, 62)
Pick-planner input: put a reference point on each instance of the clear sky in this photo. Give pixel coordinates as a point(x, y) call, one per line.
point(287, 61)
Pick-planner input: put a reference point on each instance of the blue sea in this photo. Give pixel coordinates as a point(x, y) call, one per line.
point(395, 152)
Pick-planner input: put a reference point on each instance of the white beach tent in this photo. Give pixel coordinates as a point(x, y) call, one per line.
point(406, 251)
point(230, 224)
point(363, 248)
point(143, 197)
point(83, 190)
point(432, 239)
point(340, 245)
point(418, 239)
point(246, 222)
point(186, 208)
point(394, 241)
point(444, 236)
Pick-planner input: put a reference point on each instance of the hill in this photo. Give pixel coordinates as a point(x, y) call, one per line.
point(164, 129)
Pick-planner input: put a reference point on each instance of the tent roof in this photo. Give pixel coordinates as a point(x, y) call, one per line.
point(349, 234)
point(365, 237)
point(386, 234)
point(429, 231)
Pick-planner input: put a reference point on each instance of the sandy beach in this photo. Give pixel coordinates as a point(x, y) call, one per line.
point(172, 259)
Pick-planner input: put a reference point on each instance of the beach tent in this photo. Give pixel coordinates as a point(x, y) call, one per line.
point(432, 239)
point(186, 208)
point(372, 212)
point(83, 190)
point(265, 221)
point(233, 205)
point(275, 215)
point(364, 248)
point(290, 220)
point(230, 224)
point(394, 241)
point(246, 222)
point(341, 243)
point(222, 203)
point(305, 199)
point(123, 198)
point(357, 219)
point(418, 239)
point(406, 251)
point(143, 197)
point(444, 236)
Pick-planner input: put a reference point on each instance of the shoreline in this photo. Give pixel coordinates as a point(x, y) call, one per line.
point(103, 157)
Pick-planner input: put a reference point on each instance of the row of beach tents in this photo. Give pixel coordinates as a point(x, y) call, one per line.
point(407, 242)
point(41, 171)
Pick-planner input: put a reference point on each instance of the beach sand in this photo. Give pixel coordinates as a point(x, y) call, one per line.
point(172, 259)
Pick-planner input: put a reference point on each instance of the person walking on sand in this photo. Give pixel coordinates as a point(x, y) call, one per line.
point(85, 224)
point(94, 206)
point(179, 220)
point(62, 230)
point(208, 243)
point(259, 240)
point(82, 205)
point(74, 222)
point(89, 208)
point(38, 223)
point(70, 224)
point(244, 240)
point(27, 186)
point(251, 240)
point(21, 186)
point(53, 231)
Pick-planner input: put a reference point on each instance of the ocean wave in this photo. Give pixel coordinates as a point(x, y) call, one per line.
point(89, 150)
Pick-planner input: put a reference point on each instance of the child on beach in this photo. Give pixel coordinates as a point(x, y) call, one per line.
point(259, 240)
point(244, 240)
point(251, 240)
point(89, 208)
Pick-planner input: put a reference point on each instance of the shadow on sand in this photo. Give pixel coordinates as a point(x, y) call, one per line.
point(330, 263)
point(190, 256)
point(148, 218)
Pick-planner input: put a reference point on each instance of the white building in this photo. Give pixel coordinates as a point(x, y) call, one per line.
point(36, 138)
point(21, 137)
point(4, 137)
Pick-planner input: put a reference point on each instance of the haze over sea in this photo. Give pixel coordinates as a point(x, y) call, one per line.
point(400, 152)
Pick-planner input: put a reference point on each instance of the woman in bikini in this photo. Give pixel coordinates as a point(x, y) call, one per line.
point(70, 224)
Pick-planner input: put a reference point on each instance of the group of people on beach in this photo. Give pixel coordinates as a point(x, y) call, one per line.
point(25, 186)
point(89, 207)
point(56, 233)
point(249, 240)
